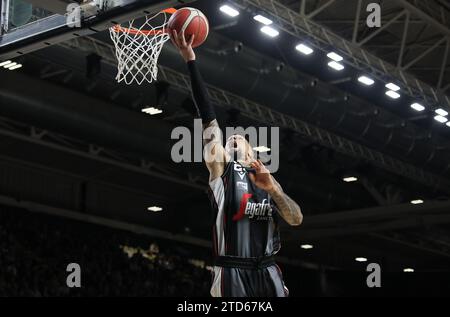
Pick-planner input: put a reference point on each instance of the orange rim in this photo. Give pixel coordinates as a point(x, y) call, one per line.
point(170, 10)
point(118, 28)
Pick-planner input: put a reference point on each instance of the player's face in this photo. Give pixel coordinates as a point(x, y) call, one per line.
point(238, 147)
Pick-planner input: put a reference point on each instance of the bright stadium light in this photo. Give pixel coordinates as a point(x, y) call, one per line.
point(15, 67)
point(336, 65)
point(417, 202)
point(441, 119)
point(307, 246)
point(262, 149)
point(230, 11)
point(335, 57)
point(152, 111)
point(441, 112)
point(366, 80)
point(448, 124)
point(392, 94)
point(5, 63)
point(408, 270)
point(350, 179)
point(262, 19)
point(360, 259)
point(418, 107)
point(393, 87)
point(155, 209)
point(8, 66)
point(304, 49)
point(270, 31)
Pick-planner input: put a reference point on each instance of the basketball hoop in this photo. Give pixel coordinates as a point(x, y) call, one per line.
point(138, 47)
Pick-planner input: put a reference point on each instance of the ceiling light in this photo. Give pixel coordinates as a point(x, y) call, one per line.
point(307, 246)
point(263, 19)
point(408, 270)
point(366, 80)
point(302, 48)
point(392, 94)
point(261, 149)
point(270, 31)
point(361, 260)
point(7, 66)
point(418, 107)
point(154, 209)
point(441, 119)
point(335, 57)
point(417, 202)
point(232, 12)
point(15, 67)
point(441, 112)
point(152, 111)
point(2, 64)
point(336, 65)
point(350, 179)
point(393, 87)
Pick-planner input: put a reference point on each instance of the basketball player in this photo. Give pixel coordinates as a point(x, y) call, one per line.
point(247, 203)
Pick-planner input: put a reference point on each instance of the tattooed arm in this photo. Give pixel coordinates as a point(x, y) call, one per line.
point(288, 209)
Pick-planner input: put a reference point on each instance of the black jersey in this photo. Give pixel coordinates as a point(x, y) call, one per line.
point(245, 219)
point(245, 225)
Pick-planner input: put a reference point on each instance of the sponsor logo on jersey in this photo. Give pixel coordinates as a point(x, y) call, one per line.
point(258, 211)
point(242, 185)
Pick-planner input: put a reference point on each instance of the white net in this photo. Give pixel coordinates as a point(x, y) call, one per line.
point(138, 47)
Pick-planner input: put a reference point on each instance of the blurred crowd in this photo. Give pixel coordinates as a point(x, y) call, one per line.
point(35, 250)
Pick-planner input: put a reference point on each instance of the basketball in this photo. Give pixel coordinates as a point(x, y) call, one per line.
point(193, 22)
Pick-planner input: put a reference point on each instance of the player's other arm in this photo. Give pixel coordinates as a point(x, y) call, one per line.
point(289, 210)
point(214, 153)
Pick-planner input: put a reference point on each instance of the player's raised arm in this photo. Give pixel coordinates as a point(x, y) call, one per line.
point(214, 153)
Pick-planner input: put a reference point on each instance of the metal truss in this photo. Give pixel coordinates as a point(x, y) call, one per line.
point(373, 220)
point(98, 220)
point(419, 243)
point(266, 115)
point(429, 11)
point(82, 149)
point(301, 24)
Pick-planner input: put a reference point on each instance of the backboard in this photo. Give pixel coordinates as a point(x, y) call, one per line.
point(29, 25)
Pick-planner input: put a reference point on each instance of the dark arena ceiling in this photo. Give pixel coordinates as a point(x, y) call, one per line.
point(74, 139)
